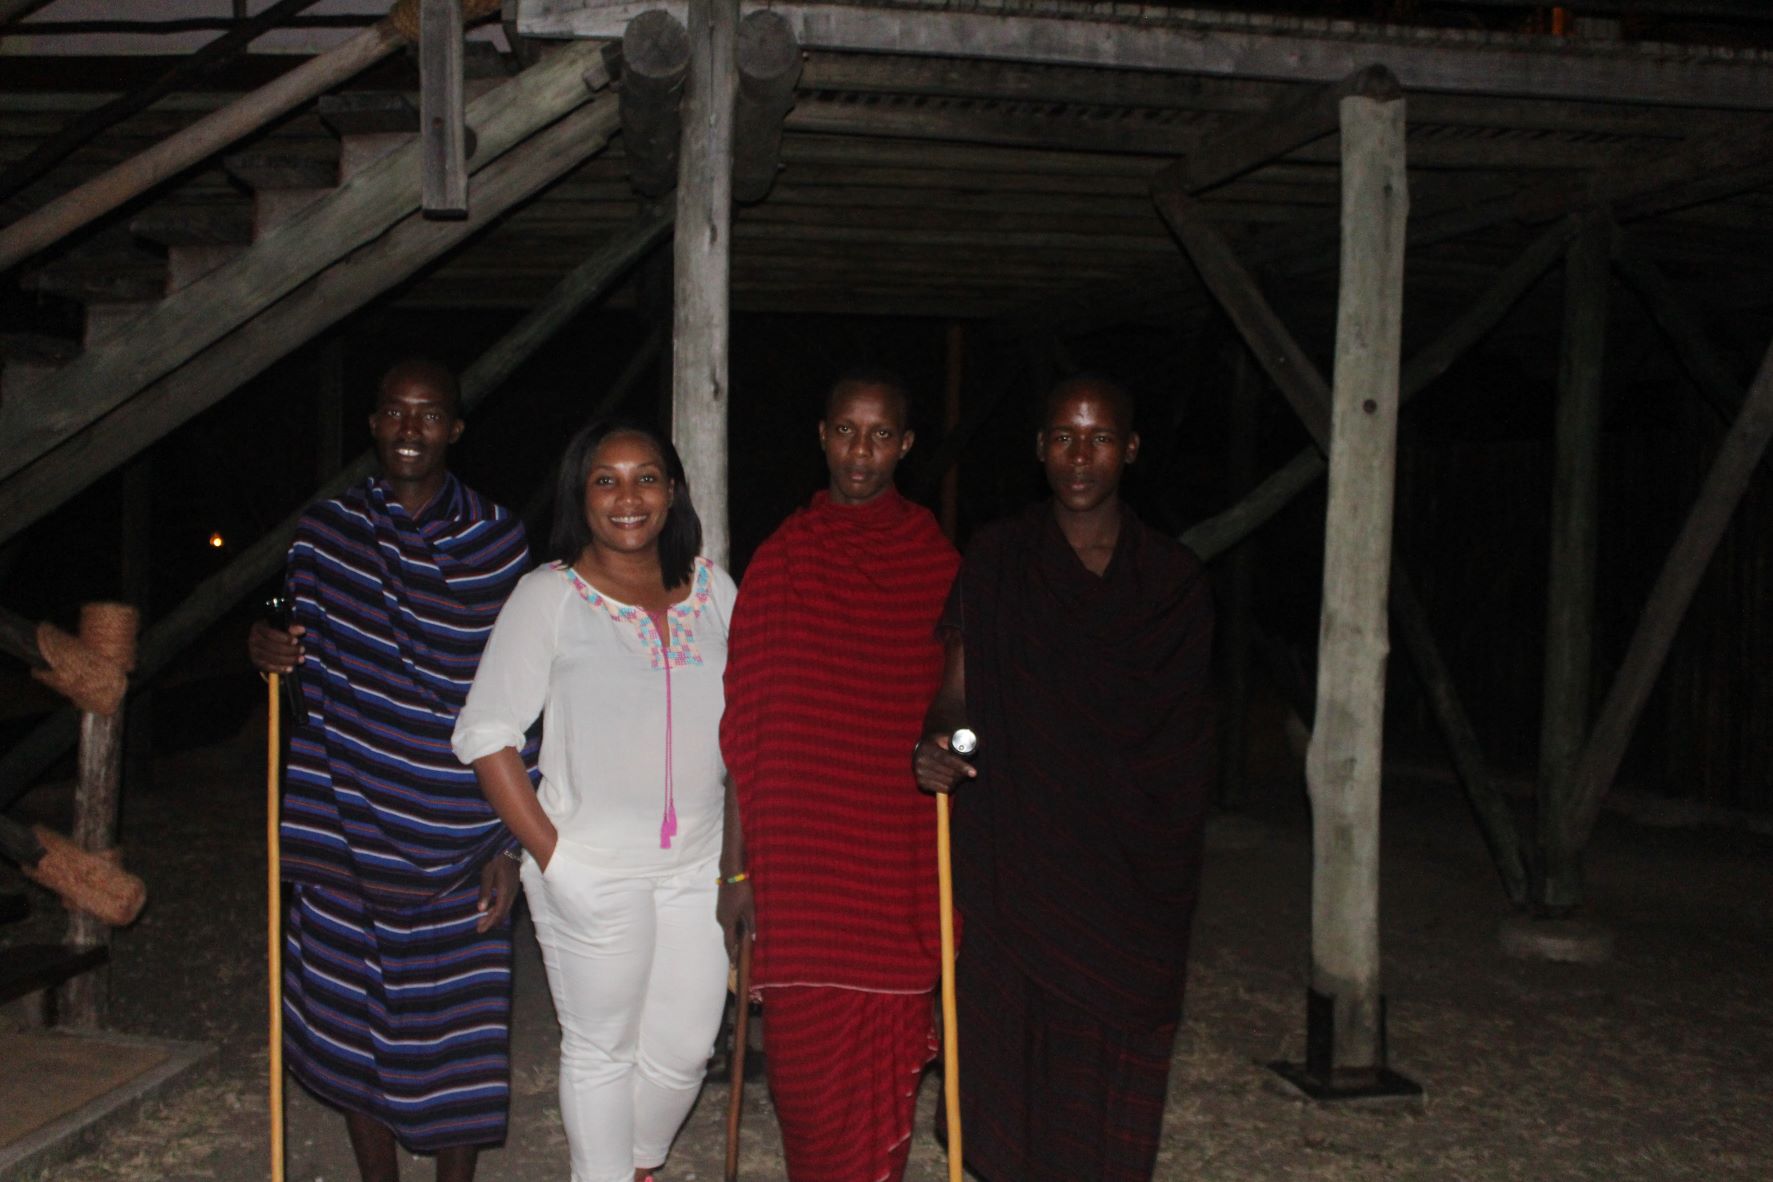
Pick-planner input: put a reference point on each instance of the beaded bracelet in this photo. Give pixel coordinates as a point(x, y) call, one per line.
point(733, 879)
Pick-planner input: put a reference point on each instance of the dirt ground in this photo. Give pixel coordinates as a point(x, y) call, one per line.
point(1656, 1065)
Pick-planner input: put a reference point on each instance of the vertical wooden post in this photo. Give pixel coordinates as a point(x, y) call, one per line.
point(950, 423)
point(444, 162)
point(702, 265)
point(110, 629)
point(1569, 611)
point(1343, 761)
point(1240, 478)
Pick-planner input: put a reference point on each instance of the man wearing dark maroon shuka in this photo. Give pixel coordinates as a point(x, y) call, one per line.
point(1077, 650)
point(830, 856)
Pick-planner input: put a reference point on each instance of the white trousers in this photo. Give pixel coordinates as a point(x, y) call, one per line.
point(638, 972)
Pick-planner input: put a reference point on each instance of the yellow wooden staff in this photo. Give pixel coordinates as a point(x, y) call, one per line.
point(274, 918)
point(963, 743)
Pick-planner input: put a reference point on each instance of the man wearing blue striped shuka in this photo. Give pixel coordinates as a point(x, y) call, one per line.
point(397, 981)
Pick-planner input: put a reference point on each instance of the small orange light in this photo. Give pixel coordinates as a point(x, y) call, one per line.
point(215, 541)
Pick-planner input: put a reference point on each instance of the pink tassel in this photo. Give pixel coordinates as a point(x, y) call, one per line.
point(668, 827)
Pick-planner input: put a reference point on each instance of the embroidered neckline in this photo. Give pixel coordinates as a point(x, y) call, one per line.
point(685, 615)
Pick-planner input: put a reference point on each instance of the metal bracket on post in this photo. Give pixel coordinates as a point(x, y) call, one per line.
point(1319, 1077)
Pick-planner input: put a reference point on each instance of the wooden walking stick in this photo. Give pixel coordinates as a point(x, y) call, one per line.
point(274, 916)
point(963, 743)
point(741, 1032)
point(950, 1031)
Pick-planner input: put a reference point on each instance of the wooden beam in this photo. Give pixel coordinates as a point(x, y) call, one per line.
point(1684, 325)
point(1289, 368)
point(443, 160)
point(11, 10)
point(1274, 348)
point(18, 638)
point(1491, 810)
point(769, 65)
point(209, 135)
point(994, 127)
point(182, 325)
point(655, 61)
point(1249, 143)
point(1345, 759)
point(34, 491)
point(1574, 538)
point(1741, 450)
point(702, 265)
point(213, 598)
point(1135, 37)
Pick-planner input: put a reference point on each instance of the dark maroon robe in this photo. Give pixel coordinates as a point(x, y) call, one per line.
point(1077, 849)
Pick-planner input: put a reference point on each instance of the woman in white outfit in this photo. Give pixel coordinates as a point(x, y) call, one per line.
point(618, 645)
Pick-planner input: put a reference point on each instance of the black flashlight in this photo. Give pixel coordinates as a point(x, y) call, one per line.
point(277, 614)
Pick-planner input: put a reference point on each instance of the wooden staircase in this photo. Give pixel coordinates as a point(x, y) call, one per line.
point(197, 294)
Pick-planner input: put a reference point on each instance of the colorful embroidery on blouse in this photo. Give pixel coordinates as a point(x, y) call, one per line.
point(684, 616)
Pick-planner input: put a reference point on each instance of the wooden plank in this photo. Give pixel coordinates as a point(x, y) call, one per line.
point(1574, 541)
point(216, 595)
point(1249, 143)
point(185, 323)
point(701, 315)
point(1729, 476)
point(1344, 761)
point(1685, 327)
point(47, 482)
point(1156, 38)
point(443, 163)
point(1219, 533)
point(1236, 290)
point(1116, 133)
point(18, 638)
point(768, 59)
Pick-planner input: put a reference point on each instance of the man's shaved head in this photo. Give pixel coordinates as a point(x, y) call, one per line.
point(422, 371)
point(871, 379)
point(1097, 385)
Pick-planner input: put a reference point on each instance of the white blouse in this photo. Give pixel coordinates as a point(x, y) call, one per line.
point(631, 769)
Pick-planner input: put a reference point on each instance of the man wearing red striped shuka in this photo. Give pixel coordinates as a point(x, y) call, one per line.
point(830, 853)
point(1078, 641)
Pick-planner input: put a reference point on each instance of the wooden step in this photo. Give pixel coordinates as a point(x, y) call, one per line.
point(25, 358)
point(369, 124)
point(282, 183)
point(198, 238)
point(209, 224)
point(88, 280)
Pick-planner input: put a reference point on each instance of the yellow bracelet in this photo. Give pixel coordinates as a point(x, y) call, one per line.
point(732, 879)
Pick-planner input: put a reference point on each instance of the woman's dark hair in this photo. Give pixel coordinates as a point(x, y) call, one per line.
point(681, 539)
